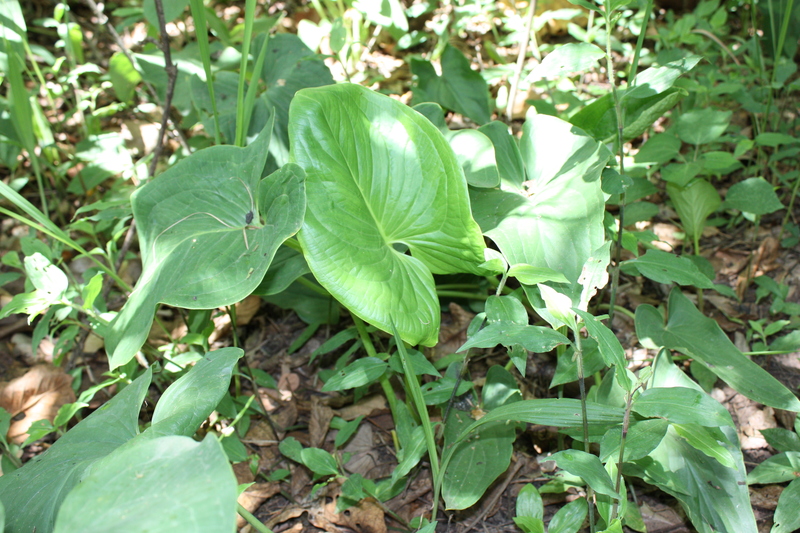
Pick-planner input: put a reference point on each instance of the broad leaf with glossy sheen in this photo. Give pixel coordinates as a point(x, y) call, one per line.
point(553, 216)
point(381, 178)
point(208, 229)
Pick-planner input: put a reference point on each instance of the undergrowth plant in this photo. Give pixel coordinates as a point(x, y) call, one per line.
point(340, 193)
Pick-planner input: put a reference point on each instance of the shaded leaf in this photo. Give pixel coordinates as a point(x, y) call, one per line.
point(155, 485)
point(381, 175)
point(692, 333)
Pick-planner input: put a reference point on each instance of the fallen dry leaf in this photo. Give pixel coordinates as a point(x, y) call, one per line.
point(37, 395)
point(254, 496)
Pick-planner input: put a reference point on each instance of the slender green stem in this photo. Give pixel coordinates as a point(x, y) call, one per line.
point(584, 416)
point(648, 9)
point(201, 33)
point(466, 295)
point(619, 309)
point(625, 425)
point(249, 16)
point(252, 520)
point(621, 157)
point(307, 283)
point(414, 390)
point(385, 382)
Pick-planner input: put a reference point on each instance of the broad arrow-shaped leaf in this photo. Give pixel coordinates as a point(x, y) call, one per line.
point(381, 178)
point(553, 217)
point(208, 229)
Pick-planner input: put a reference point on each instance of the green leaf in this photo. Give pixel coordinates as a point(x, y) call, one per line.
point(568, 59)
point(643, 437)
point(319, 461)
point(476, 462)
point(694, 203)
point(665, 267)
point(774, 140)
point(419, 364)
point(387, 13)
point(33, 494)
point(549, 412)
point(459, 88)
point(536, 339)
point(290, 447)
point(381, 175)
point(786, 518)
point(588, 467)
point(50, 282)
point(531, 275)
point(704, 440)
point(692, 333)
point(608, 344)
point(656, 80)
point(500, 388)
point(475, 153)
point(155, 485)
point(357, 374)
point(715, 497)
point(509, 161)
point(777, 469)
point(506, 309)
point(702, 126)
point(529, 502)
point(529, 525)
point(208, 229)
point(555, 218)
point(753, 195)
point(680, 405)
point(781, 439)
point(191, 399)
point(569, 518)
point(124, 76)
point(172, 10)
point(659, 148)
point(286, 267)
point(289, 66)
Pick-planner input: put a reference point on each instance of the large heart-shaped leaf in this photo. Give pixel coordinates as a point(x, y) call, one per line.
point(208, 229)
point(553, 217)
point(381, 178)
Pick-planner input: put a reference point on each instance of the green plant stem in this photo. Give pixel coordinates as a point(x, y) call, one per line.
point(789, 208)
point(618, 308)
point(252, 520)
point(625, 425)
point(466, 295)
point(72, 244)
point(414, 390)
point(585, 417)
point(648, 9)
point(385, 382)
point(621, 156)
point(249, 16)
point(307, 283)
point(201, 33)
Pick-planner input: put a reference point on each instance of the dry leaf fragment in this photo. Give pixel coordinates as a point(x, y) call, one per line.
point(37, 395)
